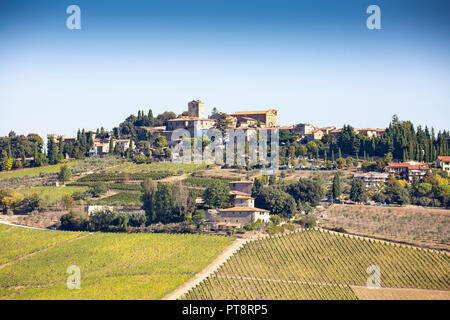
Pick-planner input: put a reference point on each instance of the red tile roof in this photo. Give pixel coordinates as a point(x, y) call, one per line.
point(409, 166)
point(243, 209)
point(444, 158)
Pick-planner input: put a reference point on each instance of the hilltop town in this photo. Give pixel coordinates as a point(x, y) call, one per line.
point(132, 168)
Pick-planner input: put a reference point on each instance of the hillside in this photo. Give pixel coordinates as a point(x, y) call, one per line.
point(312, 264)
point(34, 263)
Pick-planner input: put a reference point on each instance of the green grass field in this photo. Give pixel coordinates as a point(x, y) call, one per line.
point(320, 265)
point(50, 194)
point(34, 171)
point(112, 266)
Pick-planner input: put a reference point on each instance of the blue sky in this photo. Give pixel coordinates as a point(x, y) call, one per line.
point(313, 60)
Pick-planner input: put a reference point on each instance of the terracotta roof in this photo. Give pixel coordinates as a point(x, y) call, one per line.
point(251, 112)
point(243, 209)
point(398, 165)
point(408, 165)
point(190, 119)
point(244, 197)
point(372, 174)
point(444, 158)
point(238, 193)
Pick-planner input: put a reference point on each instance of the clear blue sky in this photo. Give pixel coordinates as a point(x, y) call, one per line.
point(313, 60)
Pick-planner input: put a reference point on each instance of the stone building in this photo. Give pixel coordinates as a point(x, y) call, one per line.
point(267, 118)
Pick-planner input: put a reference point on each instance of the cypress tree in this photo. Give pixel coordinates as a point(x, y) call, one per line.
point(151, 118)
point(111, 146)
point(336, 187)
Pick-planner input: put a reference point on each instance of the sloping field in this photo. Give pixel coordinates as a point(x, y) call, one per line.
point(317, 264)
point(112, 266)
point(34, 171)
point(129, 167)
point(18, 242)
point(50, 193)
point(428, 227)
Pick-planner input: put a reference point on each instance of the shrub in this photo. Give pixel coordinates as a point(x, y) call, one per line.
point(67, 201)
point(79, 195)
point(253, 226)
point(276, 219)
point(74, 221)
point(98, 189)
point(135, 218)
point(31, 202)
point(339, 229)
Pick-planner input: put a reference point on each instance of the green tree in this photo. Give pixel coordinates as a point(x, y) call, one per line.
point(278, 202)
point(151, 119)
point(307, 190)
point(217, 195)
point(223, 123)
point(52, 151)
point(64, 174)
point(358, 191)
point(164, 202)
point(160, 142)
point(336, 189)
point(148, 199)
point(111, 146)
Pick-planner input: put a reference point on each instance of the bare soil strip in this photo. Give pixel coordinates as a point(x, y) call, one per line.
point(381, 239)
point(364, 293)
point(206, 272)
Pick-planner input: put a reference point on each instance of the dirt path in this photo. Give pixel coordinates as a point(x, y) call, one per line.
point(206, 272)
point(42, 250)
point(19, 225)
point(364, 293)
point(175, 178)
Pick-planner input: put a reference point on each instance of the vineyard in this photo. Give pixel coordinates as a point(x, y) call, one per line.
point(113, 266)
point(204, 182)
point(315, 264)
point(120, 199)
point(18, 242)
point(122, 176)
point(429, 227)
point(112, 186)
point(174, 168)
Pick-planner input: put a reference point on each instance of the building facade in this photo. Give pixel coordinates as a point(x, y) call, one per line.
point(267, 118)
point(373, 179)
point(408, 170)
point(443, 162)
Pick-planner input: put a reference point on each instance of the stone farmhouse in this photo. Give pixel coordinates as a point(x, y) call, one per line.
point(243, 209)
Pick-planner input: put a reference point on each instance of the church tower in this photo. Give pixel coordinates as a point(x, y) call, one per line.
point(196, 108)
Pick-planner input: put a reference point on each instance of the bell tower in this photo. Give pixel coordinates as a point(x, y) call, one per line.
point(196, 108)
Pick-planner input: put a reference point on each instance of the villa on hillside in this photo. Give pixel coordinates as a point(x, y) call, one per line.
point(243, 209)
point(443, 162)
point(409, 170)
point(372, 179)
